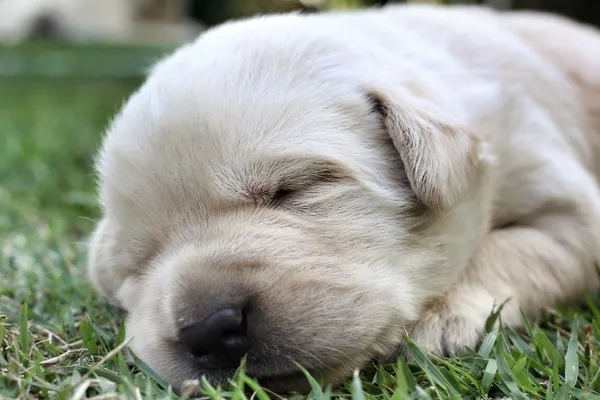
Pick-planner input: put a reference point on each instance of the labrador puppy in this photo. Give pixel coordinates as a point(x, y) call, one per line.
point(122, 21)
point(310, 188)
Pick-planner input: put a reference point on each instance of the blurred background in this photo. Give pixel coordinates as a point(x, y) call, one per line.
point(66, 66)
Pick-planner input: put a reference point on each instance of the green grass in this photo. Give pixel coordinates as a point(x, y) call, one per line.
point(58, 339)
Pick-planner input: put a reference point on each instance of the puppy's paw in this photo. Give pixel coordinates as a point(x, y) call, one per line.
point(452, 325)
point(447, 335)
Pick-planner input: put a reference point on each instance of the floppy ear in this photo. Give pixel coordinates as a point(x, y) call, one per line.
point(442, 161)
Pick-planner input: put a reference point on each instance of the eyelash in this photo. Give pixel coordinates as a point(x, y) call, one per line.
point(287, 191)
point(282, 194)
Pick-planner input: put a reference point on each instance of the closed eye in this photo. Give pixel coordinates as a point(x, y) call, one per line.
point(294, 177)
point(282, 194)
point(301, 184)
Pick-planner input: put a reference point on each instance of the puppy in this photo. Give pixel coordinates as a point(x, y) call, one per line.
point(129, 21)
point(309, 188)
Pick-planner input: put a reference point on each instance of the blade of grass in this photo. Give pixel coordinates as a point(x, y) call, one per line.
point(488, 376)
point(572, 359)
point(258, 390)
point(437, 378)
point(316, 389)
point(148, 371)
point(505, 371)
point(357, 390)
point(24, 327)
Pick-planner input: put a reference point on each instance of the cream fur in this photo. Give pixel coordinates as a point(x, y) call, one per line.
point(440, 162)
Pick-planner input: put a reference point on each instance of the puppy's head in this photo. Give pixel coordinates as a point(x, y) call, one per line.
point(276, 201)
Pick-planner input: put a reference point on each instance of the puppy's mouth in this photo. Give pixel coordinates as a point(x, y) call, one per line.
point(294, 381)
point(288, 381)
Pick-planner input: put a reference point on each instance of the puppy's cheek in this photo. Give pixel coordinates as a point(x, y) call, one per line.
point(99, 255)
point(103, 269)
point(138, 336)
point(145, 340)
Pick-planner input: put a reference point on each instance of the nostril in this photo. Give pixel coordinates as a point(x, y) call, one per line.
point(222, 333)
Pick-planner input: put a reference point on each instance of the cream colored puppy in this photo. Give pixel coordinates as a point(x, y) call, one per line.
point(308, 188)
point(129, 21)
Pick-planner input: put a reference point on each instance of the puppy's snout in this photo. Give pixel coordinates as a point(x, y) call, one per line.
point(221, 337)
point(44, 26)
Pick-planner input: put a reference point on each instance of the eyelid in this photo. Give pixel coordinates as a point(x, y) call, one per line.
point(292, 174)
point(283, 193)
point(292, 186)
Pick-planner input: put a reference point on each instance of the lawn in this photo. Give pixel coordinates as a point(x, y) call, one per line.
point(59, 340)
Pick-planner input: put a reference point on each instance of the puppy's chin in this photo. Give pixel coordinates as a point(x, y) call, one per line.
point(293, 382)
point(186, 372)
point(296, 381)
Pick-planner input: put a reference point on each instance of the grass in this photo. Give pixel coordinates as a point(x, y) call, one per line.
point(59, 340)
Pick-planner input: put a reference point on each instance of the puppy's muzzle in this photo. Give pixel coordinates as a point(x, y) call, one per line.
point(219, 340)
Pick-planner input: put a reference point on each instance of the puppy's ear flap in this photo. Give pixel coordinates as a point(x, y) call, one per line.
point(441, 160)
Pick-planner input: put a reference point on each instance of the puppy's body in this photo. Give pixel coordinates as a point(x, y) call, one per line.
point(343, 177)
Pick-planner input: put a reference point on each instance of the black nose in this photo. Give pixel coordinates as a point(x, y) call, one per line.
point(44, 26)
point(222, 336)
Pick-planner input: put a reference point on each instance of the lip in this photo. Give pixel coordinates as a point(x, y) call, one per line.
point(289, 381)
point(294, 381)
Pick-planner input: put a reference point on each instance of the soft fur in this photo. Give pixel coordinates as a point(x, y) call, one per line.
point(351, 177)
point(122, 21)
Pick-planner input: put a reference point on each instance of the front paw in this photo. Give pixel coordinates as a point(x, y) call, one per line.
point(448, 328)
point(447, 335)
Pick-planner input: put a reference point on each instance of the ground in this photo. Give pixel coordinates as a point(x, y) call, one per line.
point(59, 340)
